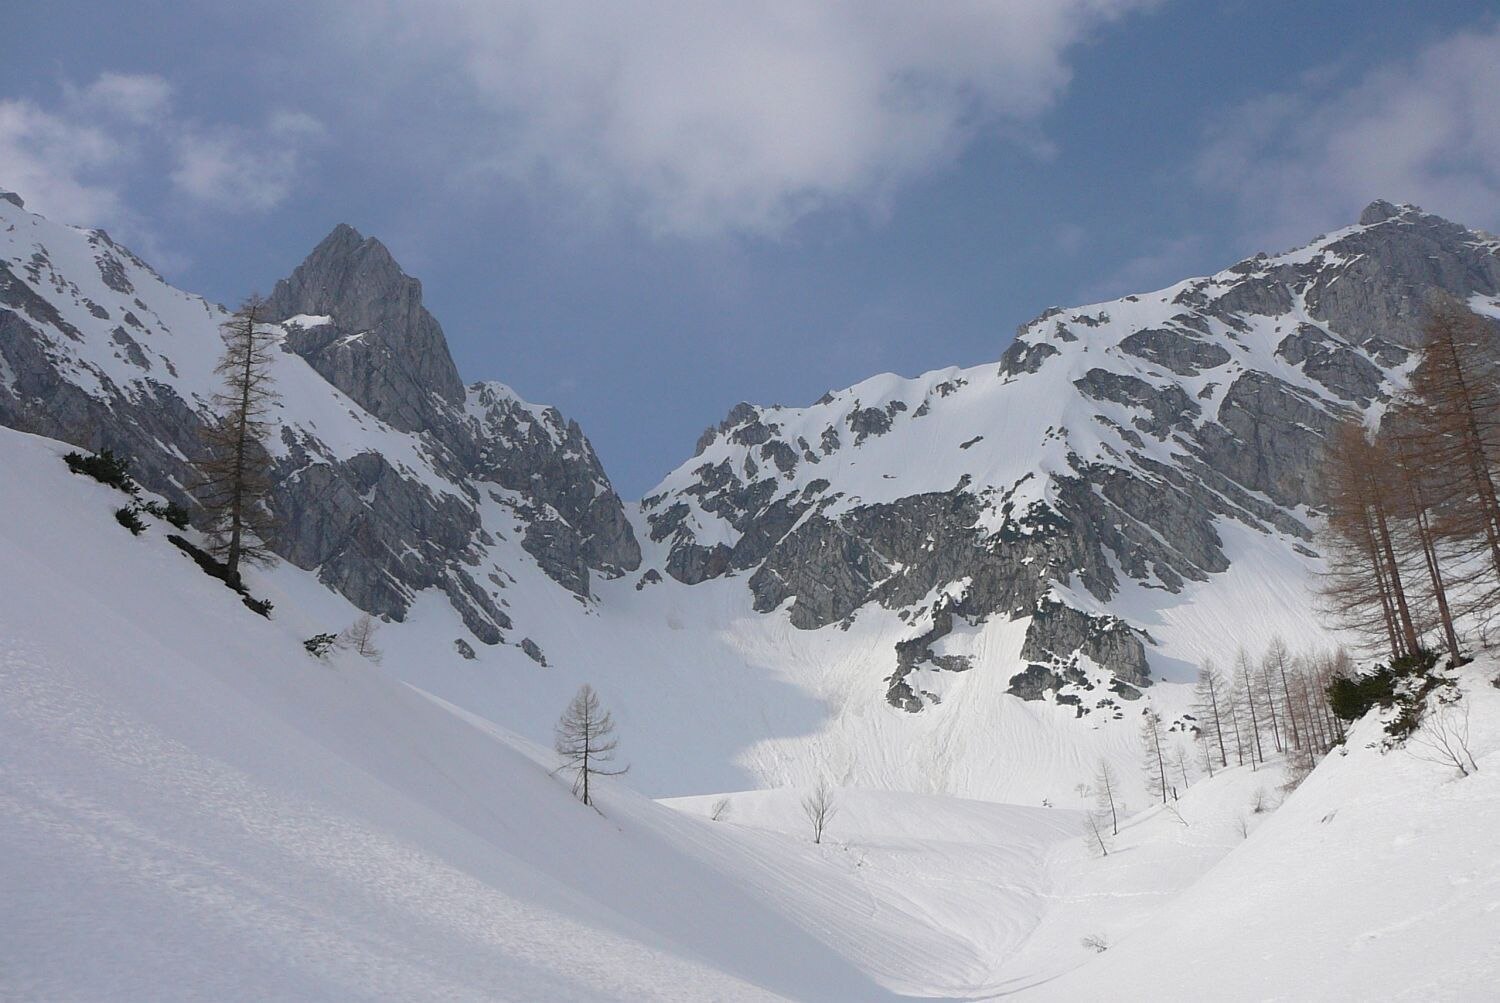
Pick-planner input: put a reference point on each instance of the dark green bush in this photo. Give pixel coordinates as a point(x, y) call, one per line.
point(130, 519)
point(320, 644)
point(1403, 685)
point(168, 511)
point(104, 467)
point(1353, 698)
point(261, 606)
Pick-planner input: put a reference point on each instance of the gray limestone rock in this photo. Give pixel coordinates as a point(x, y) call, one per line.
point(383, 348)
point(375, 532)
point(1179, 351)
point(1244, 447)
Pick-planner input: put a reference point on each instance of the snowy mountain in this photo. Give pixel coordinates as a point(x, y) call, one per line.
point(392, 476)
point(1099, 487)
point(960, 583)
point(193, 807)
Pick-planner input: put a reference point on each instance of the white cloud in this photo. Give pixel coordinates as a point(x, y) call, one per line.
point(75, 161)
point(728, 116)
point(1425, 131)
point(243, 169)
point(139, 98)
point(57, 164)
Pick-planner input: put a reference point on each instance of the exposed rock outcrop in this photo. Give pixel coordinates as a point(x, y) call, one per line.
point(1119, 439)
point(418, 489)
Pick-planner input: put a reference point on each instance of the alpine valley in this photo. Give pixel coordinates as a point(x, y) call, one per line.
point(950, 596)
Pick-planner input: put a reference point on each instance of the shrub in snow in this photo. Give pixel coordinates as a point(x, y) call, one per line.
point(720, 810)
point(1095, 942)
point(1443, 738)
point(130, 519)
point(168, 512)
point(261, 606)
point(1405, 686)
point(320, 644)
point(104, 467)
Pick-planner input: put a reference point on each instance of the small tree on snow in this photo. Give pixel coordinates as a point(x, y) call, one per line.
point(1093, 831)
point(360, 638)
point(720, 810)
point(819, 809)
point(1104, 795)
point(1179, 763)
point(586, 742)
point(234, 472)
point(1154, 757)
point(1443, 738)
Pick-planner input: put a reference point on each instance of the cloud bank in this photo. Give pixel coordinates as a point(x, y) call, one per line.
point(702, 118)
point(76, 158)
point(1426, 131)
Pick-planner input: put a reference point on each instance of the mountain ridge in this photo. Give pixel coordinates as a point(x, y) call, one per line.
point(1204, 401)
point(958, 582)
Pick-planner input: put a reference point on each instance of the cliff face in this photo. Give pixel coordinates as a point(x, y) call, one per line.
point(392, 476)
point(1094, 476)
point(1111, 443)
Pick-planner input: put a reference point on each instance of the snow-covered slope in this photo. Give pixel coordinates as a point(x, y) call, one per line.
point(478, 490)
point(192, 806)
point(960, 583)
point(1124, 485)
point(1377, 879)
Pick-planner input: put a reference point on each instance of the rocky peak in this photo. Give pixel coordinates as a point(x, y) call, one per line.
point(1119, 448)
point(380, 346)
point(13, 199)
point(1379, 211)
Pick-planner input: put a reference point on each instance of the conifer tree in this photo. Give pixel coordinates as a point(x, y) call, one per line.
point(1104, 794)
point(586, 742)
point(360, 638)
point(235, 469)
point(1155, 759)
point(1245, 679)
point(1366, 589)
point(1455, 393)
point(1275, 654)
point(1207, 700)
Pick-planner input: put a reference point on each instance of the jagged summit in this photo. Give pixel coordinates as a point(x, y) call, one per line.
point(1380, 210)
point(1101, 478)
point(372, 338)
point(392, 478)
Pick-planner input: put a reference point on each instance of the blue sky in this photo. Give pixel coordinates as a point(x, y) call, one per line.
point(646, 212)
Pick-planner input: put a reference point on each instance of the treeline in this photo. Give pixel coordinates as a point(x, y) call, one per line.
point(1413, 533)
point(1276, 704)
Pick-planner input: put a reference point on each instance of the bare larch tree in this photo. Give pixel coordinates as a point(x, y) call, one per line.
point(1455, 391)
point(1104, 794)
point(586, 742)
point(1155, 758)
point(1207, 700)
point(235, 469)
point(819, 808)
point(360, 638)
point(1366, 588)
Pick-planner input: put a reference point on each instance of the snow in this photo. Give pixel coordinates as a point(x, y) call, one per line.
point(191, 806)
point(194, 807)
point(308, 320)
point(1377, 879)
